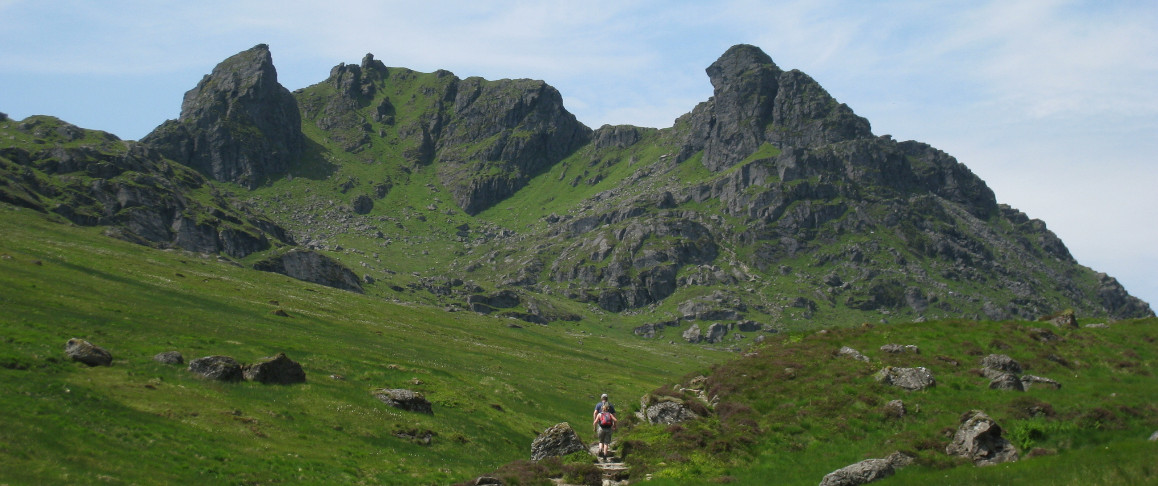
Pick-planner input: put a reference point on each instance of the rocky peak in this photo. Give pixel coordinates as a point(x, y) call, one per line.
point(755, 103)
point(238, 124)
point(501, 133)
point(355, 81)
point(739, 63)
point(247, 75)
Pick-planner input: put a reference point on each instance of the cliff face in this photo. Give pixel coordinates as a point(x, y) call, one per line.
point(500, 134)
point(485, 138)
point(237, 125)
point(754, 103)
point(94, 178)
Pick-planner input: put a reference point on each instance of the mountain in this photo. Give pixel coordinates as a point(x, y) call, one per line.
point(770, 202)
point(445, 213)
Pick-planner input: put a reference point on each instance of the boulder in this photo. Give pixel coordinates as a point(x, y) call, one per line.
point(912, 379)
point(898, 349)
point(664, 411)
point(1043, 335)
point(1063, 320)
point(867, 471)
point(363, 204)
point(1007, 382)
point(894, 409)
point(87, 353)
point(716, 333)
point(278, 370)
point(748, 326)
point(169, 357)
point(408, 400)
point(646, 331)
point(693, 334)
point(979, 440)
point(312, 267)
point(557, 441)
point(220, 368)
point(852, 353)
point(863, 472)
point(994, 365)
point(1028, 381)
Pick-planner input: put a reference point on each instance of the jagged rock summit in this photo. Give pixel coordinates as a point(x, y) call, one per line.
point(238, 124)
point(755, 102)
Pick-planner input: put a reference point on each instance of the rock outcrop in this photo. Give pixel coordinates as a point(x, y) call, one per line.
point(237, 125)
point(169, 357)
point(995, 365)
point(978, 438)
point(900, 349)
point(756, 103)
point(852, 353)
point(404, 399)
point(664, 410)
point(1030, 381)
point(557, 441)
point(278, 370)
point(88, 353)
point(912, 379)
point(219, 368)
point(93, 178)
point(313, 267)
point(499, 134)
point(867, 471)
point(1006, 382)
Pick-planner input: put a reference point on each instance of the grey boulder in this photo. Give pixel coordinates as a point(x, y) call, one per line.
point(408, 400)
point(169, 357)
point(912, 379)
point(219, 368)
point(557, 441)
point(87, 353)
point(979, 440)
point(866, 471)
point(278, 370)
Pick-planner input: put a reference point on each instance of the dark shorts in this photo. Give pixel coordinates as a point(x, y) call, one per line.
point(604, 435)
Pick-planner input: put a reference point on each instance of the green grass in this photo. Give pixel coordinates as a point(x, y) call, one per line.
point(493, 387)
point(816, 411)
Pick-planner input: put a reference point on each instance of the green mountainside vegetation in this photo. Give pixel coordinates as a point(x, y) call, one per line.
point(471, 241)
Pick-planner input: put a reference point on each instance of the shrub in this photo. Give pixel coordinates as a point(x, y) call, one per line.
point(627, 447)
point(1099, 419)
point(586, 474)
point(1027, 407)
point(524, 473)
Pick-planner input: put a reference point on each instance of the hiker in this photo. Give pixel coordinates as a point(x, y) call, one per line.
point(603, 403)
point(604, 423)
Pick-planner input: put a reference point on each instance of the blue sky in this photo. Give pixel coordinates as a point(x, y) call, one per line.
point(1053, 103)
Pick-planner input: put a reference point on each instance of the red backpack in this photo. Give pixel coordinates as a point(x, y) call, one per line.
point(605, 419)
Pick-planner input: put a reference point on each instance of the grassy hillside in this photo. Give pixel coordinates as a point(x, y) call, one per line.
point(494, 386)
point(795, 409)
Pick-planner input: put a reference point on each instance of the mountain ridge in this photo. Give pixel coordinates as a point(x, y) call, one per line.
point(801, 216)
